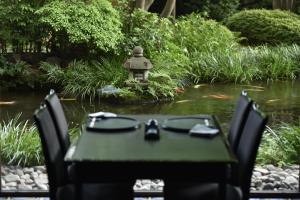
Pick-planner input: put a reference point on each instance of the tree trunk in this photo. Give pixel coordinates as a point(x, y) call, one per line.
point(148, 3)
point(168, 9)
point(283, 4)
point(140, 4)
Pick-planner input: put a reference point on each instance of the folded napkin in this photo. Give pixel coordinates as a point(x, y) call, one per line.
point(102, 114)
point(203, 130)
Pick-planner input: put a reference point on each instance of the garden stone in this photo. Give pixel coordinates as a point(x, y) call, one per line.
point(24, 187)
point(270, 167)
point(268, 186)
point(42, 186)
point(264, 178)
point(11, 184)
point(25, 176)
point(2, 182)
point(11, 178)
point(3, 171)
point(275, 177)
point(34, 175)
point(258, 184)
point(257, 174)
point(19, 172)
point(277, 184)
point(29, 181)
point(262, 171)
point(290, 180)
point(28, 170)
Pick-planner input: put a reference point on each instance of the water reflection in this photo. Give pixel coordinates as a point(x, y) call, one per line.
point(280, 100)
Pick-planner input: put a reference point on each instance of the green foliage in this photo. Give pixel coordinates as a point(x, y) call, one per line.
point(247, 64)
point(18, 21)
point(96, 24)
point(277, 63)
point(147, 30)
point(20, 143)
point(84, 78)
point(266, 26)
point(16, 74)
point(280, 146)
point(217, 10)
point(195, 34)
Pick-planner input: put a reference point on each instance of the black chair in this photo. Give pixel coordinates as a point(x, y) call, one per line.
point(60, 185)
point(238, 120)
point(60, 122)
point(241, 178)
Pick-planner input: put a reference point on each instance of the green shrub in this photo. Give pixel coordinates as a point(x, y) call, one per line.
point(280, 146)
point(195, 34)
point(16, 74)
point(266, 26)
point(96, 25)
point(147, 30)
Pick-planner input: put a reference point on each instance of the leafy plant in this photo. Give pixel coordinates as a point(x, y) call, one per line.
point(266, 26)
point(83, 79)
point(96, 25)
point(16, 74)
point(20, 143)
point(19, 23)
point(281, 145)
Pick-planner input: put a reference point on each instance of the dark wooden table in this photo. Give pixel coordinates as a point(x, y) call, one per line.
point(104, 156)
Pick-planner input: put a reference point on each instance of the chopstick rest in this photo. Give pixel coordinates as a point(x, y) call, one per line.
point(201, 130)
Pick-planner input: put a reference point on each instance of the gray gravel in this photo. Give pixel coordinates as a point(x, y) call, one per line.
point(266, 177)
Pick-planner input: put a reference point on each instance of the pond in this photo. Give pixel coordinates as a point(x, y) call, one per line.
point(280, 100)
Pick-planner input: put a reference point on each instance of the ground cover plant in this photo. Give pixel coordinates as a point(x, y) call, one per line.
point(19, 73)
point(260, 26)
point(20, 142)
point(280, 145)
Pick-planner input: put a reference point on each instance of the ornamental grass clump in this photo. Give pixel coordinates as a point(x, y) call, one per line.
point(20, 143)
point(261, 26)
point(280, 145)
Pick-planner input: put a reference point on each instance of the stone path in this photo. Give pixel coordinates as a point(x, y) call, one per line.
point(267, 177)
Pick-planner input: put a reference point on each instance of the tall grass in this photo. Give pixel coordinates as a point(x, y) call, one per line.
point(82, 78)
point(20, 143)
point(247, 64)
point(280, 145)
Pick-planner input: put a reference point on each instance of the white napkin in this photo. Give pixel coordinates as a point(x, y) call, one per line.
point(200, 129)
point(102, 114)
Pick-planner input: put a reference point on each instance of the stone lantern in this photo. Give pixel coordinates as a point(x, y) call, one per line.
point(138, 66)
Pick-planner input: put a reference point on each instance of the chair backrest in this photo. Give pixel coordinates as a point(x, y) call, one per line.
point(248, 146)
point(238, 120)
point(56, 170)
point(59, 119)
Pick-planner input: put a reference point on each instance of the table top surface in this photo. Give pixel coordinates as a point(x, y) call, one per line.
point(130, 146)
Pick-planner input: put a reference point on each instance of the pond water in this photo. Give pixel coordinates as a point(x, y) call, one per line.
point(280, 100)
